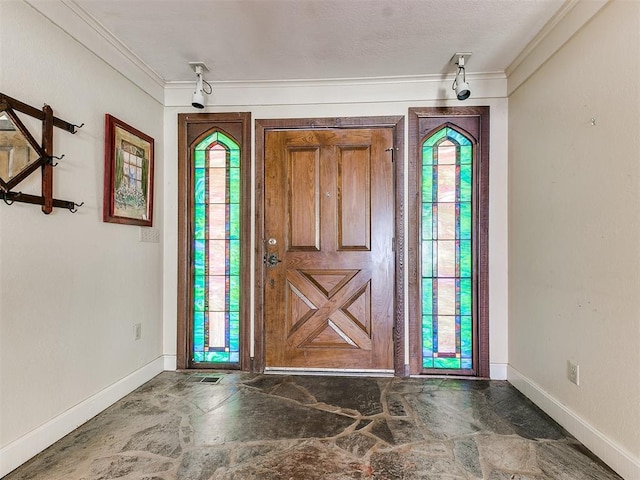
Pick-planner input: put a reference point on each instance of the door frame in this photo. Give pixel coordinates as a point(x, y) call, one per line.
point(262, 126)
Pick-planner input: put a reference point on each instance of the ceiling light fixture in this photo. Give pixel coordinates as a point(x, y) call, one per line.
point(460, 84)
point(197, 99)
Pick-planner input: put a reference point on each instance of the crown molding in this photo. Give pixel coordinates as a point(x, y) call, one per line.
point(90, 33)
point(337, 91)
point(567, 21)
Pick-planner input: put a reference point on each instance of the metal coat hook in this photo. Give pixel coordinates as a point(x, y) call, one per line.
point(10, 202)
point(73, 208)
point(57, 158)
point(76, 127)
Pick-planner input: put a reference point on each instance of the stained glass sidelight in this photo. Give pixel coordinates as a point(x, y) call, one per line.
point(447, 298)
point(216, 250)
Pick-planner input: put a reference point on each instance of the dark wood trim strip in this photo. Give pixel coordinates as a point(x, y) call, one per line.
point(184, 261)
point(47, 167)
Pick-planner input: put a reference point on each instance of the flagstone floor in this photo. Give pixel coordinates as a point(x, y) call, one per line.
point(185, 426)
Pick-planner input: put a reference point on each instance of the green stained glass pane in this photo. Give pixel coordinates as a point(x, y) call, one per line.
point(436, 137)
point(234, 332)
point(427, 362)
point(199, 158)
point(234, 293)
point(207, 141)
point(466, 302)
point(234, 257)
point(427, 155)
point(427, 221)
point(199, 232)
point(199, 182)
point(427, 184)
point(427, 336)
point(234, 157)
point(465, 221)
point(465, 183)
point(446, 363)
point(198, 331)
point(234, 221)
point(466, 155)
point(427, 296)
point(198, 257)
point(217, 357)
point(226, 140)
point(198, 294)
point(458, 137)
point(466, 336)
point(465, 258)
point(198, 356)
point(427, 258)
point(234, 185)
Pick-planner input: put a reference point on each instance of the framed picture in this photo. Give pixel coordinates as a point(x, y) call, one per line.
point(128, 174)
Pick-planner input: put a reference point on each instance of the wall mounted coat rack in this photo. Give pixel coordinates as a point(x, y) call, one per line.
point(21, 154)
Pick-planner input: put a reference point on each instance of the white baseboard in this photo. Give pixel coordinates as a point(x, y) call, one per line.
point(29, 445)
point(619, 459)
point(498, 371)
point(170, 363)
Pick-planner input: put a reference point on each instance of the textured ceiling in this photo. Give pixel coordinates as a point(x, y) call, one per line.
point(250, 40)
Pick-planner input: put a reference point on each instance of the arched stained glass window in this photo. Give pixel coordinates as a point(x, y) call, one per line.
point(216, 250)
point(446, 251)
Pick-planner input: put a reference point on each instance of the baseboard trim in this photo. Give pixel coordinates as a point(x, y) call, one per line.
point(170, 363)
point(498, 371)
point(619, 459)
point(29, 445)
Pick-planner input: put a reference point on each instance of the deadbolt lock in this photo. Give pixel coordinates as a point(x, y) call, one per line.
point(272, 260)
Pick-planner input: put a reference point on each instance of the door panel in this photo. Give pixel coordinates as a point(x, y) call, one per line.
point(304, 205)
point(329, 219)
point(354, 198)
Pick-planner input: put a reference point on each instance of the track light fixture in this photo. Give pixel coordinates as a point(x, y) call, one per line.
point(460, 84)
point(197, 99)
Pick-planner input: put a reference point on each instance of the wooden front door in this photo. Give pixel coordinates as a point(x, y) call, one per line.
point(329, 225)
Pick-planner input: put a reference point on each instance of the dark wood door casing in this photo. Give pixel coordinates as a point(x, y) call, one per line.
point(352, 236)
point(422, 123)
point(329, 222)
point(192, 127)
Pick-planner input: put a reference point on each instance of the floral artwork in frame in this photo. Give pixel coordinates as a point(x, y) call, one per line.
point(128, 174)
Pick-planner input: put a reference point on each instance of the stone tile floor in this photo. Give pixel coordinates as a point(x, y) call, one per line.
point(268, 427)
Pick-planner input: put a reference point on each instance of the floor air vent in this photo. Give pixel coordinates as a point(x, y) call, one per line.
point(211, 379)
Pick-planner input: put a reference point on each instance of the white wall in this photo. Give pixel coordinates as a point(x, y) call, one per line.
point(347, 99)
point(574, 235)
point(71, 286)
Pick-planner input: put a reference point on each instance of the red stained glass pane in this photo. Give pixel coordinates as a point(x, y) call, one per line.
point(217, 185)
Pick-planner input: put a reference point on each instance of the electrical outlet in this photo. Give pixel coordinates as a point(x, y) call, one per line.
point(573, 372)
point(137, 331)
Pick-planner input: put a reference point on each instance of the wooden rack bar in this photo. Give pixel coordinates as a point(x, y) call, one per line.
point(39, 114)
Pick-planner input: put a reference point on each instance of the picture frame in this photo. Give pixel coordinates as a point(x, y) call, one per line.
point(128, 174)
